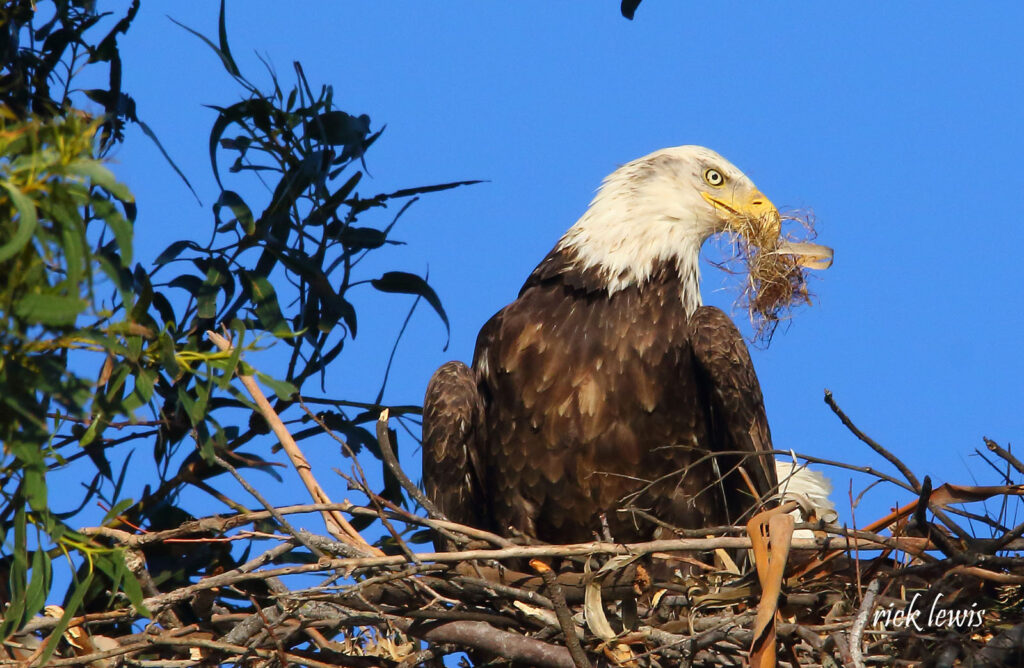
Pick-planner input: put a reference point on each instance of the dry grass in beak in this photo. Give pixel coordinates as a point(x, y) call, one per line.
point(774, 281)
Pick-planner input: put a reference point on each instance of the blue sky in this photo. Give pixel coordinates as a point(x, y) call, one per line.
point(897, 124)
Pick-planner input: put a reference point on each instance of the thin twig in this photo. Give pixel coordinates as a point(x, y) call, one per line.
point(893, 459)
point(285, 524)
point(336, 523)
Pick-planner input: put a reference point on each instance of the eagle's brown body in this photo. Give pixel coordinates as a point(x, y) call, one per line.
point(581, 403)
point(606, 388)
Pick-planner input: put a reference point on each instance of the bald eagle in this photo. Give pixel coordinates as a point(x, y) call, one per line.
point(607, 388)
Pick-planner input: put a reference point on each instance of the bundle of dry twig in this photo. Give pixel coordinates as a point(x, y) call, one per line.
point(913, 588)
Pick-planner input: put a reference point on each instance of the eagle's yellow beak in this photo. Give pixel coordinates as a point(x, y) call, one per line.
point(743, 207)
point(751, 204)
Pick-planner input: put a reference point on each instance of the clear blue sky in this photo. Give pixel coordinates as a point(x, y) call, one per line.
point(898, 124)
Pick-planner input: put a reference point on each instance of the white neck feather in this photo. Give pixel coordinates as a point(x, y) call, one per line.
point(638, 221)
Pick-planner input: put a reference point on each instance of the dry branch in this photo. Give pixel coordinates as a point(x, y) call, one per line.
point(337, 525)
point(380, 609)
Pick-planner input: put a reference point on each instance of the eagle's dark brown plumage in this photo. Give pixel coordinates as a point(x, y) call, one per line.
point(606, 385)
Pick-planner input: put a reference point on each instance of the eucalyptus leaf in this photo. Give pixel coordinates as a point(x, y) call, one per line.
point(27, 221)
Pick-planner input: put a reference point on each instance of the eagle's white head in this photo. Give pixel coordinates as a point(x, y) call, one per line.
point(662, 208)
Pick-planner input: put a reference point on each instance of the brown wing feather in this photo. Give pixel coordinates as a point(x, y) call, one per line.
point(452, 415)
point(592, 405)
point(580, 403)
point(737, 417)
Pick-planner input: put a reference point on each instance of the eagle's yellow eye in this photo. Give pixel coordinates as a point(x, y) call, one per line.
point(714, 177)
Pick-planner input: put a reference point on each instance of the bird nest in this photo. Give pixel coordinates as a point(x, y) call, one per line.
point(912, 588)
point(774, 282)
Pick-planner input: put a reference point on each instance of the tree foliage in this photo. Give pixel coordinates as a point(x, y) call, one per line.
point(105, 360)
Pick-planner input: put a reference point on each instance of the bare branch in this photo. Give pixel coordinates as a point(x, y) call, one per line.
point(893, 459)
point(336, 524)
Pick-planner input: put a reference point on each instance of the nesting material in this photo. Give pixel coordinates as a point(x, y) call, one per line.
point(809, 488)
point(774, 257)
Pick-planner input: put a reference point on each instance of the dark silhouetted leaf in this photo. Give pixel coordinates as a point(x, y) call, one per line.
point(362, 238)
point(256, 109)
point(225, 51)
point(187, 282)
point(420, 537)
point(338, 128)
point(337, 198)
point(264, 299)
point(164, 309)
point(174, 250)
point(411, 284)
point(238, 207)
point(152, 135)
point(407, 192)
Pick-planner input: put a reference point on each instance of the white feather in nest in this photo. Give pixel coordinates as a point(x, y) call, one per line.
point(810, 489)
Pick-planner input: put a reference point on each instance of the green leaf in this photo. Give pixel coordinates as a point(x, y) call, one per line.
point(164, 310)
point(197, 412)
point(73, 243)
point(218, 277)
point(35, 489)
point(109, 567)
point(70, 610)
point(168, 361)
point(189, 405)
point(411, 284)
point(39, 585)
point(121, 228)
point(254, 109)
point(133, 590)
point(224, 119)
point(100, 176)
point(143, 292)
point(18, 574)
point(144, 384)
point(255, 462)
point(283, 389)
point(236, 354)
point(110, 263)
point(54, 310)
point(119, 507)
point(26, 224)
point(94, 430)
